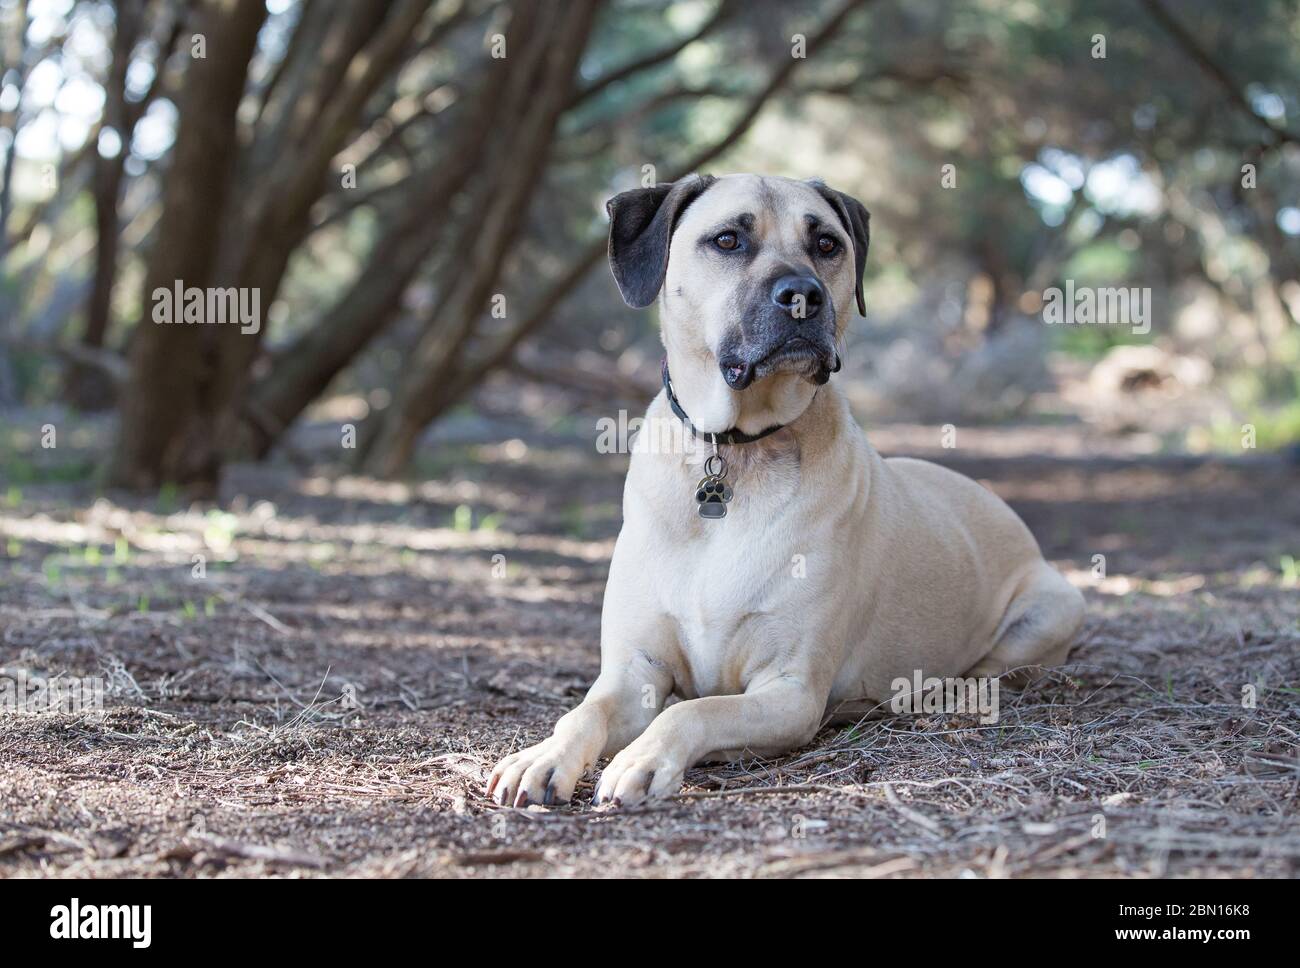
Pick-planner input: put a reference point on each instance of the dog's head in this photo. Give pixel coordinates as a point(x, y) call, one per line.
point(756, 275)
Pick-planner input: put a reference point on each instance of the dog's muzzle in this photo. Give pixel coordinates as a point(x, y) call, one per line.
point(789, 329)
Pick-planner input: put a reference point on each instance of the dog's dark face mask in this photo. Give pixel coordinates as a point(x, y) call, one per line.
point(759, 273)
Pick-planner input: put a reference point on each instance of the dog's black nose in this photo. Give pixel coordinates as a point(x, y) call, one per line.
point(800, 296)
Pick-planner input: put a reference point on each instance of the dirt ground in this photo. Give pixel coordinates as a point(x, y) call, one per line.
point(327, 697)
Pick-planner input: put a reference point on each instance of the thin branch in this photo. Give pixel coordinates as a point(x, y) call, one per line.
point(111, 364)
point(1193, 49)
point(724, 10)
point(774, 84)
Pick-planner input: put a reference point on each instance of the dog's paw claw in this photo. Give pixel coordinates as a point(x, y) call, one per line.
point(633, 776)
point(544, 774)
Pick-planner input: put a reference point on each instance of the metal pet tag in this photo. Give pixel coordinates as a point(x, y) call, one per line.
point(713, 492)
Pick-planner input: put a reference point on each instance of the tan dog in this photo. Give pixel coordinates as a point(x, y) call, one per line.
point(831, 572)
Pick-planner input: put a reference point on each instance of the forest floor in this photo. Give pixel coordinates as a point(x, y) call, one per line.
point(327, 697)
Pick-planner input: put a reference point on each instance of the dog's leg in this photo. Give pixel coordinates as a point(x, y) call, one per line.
point(779, 714)
point(1040, 627)
point(619, 706)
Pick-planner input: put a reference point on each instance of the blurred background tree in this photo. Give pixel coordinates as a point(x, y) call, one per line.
point(414, 188)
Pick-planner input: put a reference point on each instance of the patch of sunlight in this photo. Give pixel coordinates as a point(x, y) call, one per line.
point(397, 492)
point(1121, 585)
point(42, 528)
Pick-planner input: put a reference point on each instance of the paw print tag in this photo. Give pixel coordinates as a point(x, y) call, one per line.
point(713, 493)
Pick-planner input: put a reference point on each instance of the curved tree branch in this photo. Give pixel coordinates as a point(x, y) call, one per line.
point(725, 9)
point(1193, 49)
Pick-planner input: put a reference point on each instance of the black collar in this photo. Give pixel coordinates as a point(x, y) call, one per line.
point(732, 436)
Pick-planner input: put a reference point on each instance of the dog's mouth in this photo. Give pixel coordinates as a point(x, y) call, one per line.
point(795, 355)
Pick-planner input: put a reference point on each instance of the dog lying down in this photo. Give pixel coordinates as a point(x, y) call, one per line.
point(777, 570)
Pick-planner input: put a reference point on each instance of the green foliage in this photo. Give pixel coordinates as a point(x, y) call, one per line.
point(1275, 428)
point(464, 520)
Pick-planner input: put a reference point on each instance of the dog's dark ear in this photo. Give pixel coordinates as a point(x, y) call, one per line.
point(857, 222)
point(641, 225)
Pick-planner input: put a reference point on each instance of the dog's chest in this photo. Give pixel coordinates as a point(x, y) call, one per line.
point(723, 585)
point(714, 657)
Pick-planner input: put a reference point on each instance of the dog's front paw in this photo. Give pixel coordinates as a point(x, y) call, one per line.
point(642, 771)
point(545, 774)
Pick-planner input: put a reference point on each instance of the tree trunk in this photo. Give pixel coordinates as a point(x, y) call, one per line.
point(244, 240)
point(560, 42)
point(304, 370)
point(262, 238)
point(86, 387)
point(169, 409)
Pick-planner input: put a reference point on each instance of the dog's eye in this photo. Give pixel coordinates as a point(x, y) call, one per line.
point(826, 244)
point(727, 241)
